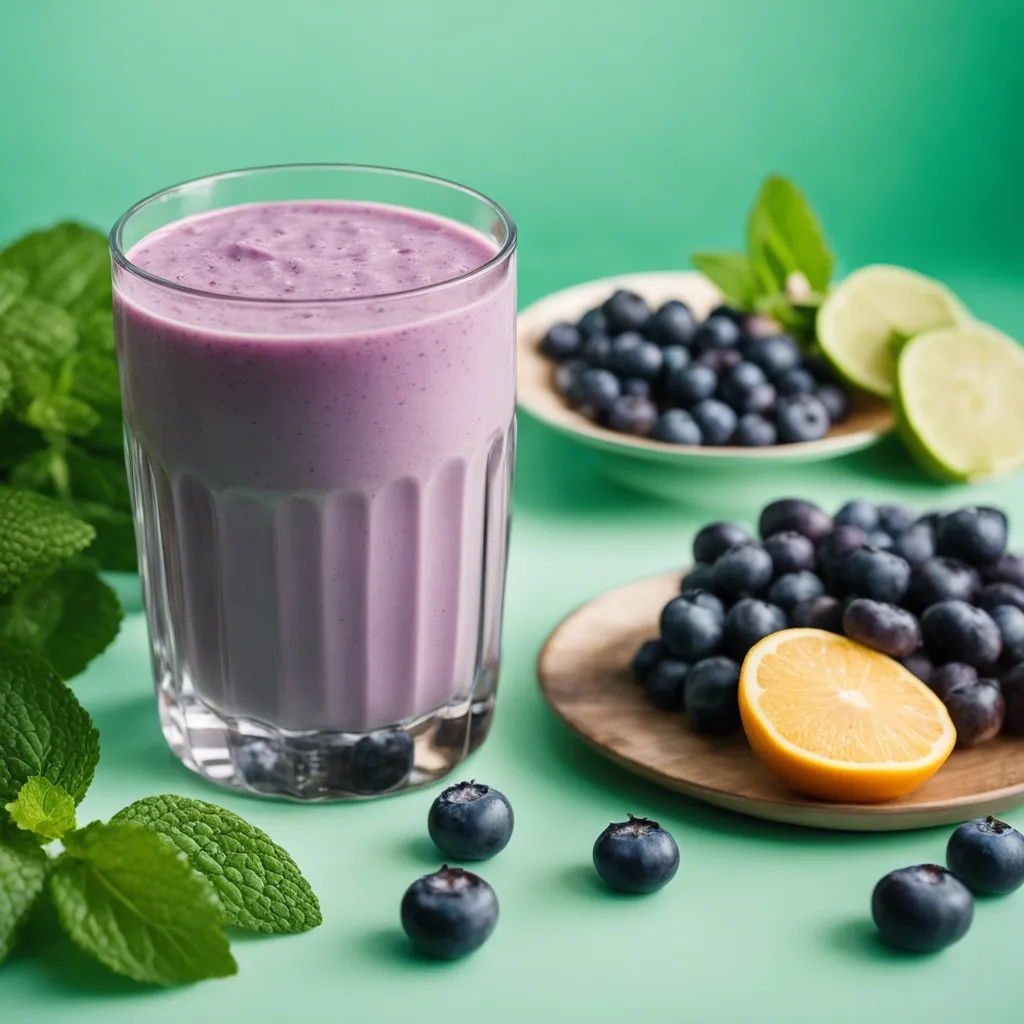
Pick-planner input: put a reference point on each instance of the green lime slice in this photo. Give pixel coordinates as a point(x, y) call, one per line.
point(865, 320)
point(959, 402)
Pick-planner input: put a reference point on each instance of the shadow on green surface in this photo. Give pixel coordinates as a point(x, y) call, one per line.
point(860, 939)
point(422, 852)
point(391, 945)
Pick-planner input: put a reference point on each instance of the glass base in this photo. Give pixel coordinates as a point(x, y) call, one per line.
point(315, 766)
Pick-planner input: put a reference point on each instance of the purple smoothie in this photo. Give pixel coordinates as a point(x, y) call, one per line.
point(321, 447)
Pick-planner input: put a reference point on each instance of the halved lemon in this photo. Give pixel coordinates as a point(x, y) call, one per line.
point(839, 721)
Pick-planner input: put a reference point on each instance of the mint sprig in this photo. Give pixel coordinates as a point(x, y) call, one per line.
point(23, 869)
point(43, 807)
point(788, 265)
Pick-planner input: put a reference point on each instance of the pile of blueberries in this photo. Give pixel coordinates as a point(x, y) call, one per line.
point(666, 375)
point(939, 592)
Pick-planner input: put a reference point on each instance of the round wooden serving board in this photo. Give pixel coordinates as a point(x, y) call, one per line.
point(584, 672)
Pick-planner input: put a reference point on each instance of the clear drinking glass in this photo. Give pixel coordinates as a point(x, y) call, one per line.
point(321, 484)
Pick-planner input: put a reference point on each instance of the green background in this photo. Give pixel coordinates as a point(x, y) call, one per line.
point(621, 136)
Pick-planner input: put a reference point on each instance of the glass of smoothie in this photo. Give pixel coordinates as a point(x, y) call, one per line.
point(318, 372)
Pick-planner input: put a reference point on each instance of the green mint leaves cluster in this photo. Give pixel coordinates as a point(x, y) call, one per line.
point(151, 893)
point(60, 405)
point(787, 268)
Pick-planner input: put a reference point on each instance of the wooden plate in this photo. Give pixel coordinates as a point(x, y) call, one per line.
point(585, 677)
point(869, 419)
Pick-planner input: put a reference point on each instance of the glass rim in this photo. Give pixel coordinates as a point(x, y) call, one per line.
point(121, 258)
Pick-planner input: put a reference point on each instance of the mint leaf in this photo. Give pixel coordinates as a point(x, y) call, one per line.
point(6, 384)
point(23, 867)
point(784, 236)
point(36, 535)
point(43, 729)
point(61, 414)
point(130, 900)
point(12, 286)
point(733, 275)
point(114, 548)
point(260, 886)
point(68, 264)
point(43, 807)
point(35, 337)
point(69, 618)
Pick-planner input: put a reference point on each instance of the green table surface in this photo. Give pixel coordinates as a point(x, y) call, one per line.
point(621, 136)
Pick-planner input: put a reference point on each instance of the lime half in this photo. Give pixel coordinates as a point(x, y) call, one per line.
point(865, 320)
point(959, 402)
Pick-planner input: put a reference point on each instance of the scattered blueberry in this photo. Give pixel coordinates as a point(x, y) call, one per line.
point(823, 612)
point(886, 628)
point(957, 631)
point(835, 549)
point(717, 332)
point(593, 323)
point(1010, 621)
point(742, 571)
point(673, 358)
point(858, 513)
point(691, 384)
point(922, 909)
point(801, 418)
point(712, 696)
point(633, 414)
point(636, 856)
point(754, 431)
point(1012, 685)
point(706, 600)
point(677, 427)
point(943, 579)
point(1006, 569)
point(920, 665)
point(717, 538)
point(672, 324)
point(598, 391)
point(895, 519)
point(736, 383)
point(632, 355)
point(795, 514)
point(796, 382)
point(470, 821)
point(449, 913)
point(563, 341)
point(381, 760)
point(716, 420)
point(748, 621)
point(775, 354)
point(835, 400)
point(974, 535)
point(720, 359)
point(953, 674)
point(567, 378)
point(987, 855)
point(738, 317)
point(789, 590)
point(625, 311)
point(881, 540)
point(996, 594)
point(597, 350)
point(916, 544)
point(700, 577)
point(689, 630)
point(639, 388)
point(665, 682)
point(648, 654)
point(790, 552)
point(879, 575)
point(977, 710)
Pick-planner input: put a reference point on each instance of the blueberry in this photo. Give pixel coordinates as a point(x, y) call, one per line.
point(596, 351)
point(1013, 695)
point(470, 821)
point(715, 419)
point(717, 538)
point(775, 354)
point(691, 384)
point(922, 909)
point(754, 431)
point(712, 696)
point(625, 311)
point(567, 378)
point(737, 316)
point(895, 519)
point(919, 664)
point(801, 418)
point(836, 401)
point(598, 391)
point(916, 544)
point(648, 654)
point(742, 571)
point(790, 552)
point(381, 760)
point(957, 631)
point(796, 381)
point(931, 519)
point(672, 324)
point(835, 549)
point(664, 685)
point(789, 590)
point(818, 613)
point(720, 359)
point(738, 382)
point(858, 513)
point(593, 323)
point(987, 855)
point(673, 358)
point(977, 710)
point(633, 356)
point(717, 332)
point(886, 628)
point(633, 414)
point(706, 600)
point(1006, 569)
point(878, 575)
point(748, 621)
point(689, 630)
point(449, 913)
point(637, 856)
point(563, 341)
point(974, 535)
point(700, 577)
point(881, 540)
point(636, 387)
point(795, 514)
point(953, 674)
point(943, 579)
point(996, 594)
point(1010, 621)
point(675, 426)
